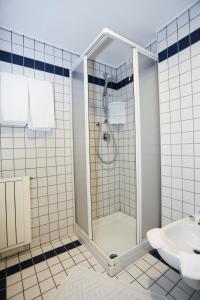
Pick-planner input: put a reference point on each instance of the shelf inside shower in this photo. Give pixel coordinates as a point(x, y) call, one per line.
point(115, 233)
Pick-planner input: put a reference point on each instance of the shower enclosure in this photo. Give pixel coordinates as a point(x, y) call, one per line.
point(116, 149)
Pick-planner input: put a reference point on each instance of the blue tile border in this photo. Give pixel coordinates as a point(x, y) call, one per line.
point(112, 85)
point(53, 69)
point(32, 261)
point(182, 44)
point(32, 63)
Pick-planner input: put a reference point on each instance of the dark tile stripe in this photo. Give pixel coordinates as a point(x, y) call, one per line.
point(2, 283)
point(182, 44)
point(3, 294)
point(49, 68)
point(36, 259)
point(112, 85)
point(32, 63)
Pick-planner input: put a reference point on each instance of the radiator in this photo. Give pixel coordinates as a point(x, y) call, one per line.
point(15, 217)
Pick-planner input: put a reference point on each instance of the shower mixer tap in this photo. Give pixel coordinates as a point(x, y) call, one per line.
point(106, 137)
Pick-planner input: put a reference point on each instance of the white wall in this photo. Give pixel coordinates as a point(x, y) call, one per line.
point(179, 85)
point(45, 156)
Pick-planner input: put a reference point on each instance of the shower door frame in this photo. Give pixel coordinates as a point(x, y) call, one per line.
point(84, 60)
point(140, 174)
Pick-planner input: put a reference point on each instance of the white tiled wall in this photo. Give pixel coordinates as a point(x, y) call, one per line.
point(46, 156)
point(179, 87)
point(104, 177)
point(127, 140)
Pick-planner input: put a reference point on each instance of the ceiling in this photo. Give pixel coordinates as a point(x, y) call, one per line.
point(72, 25)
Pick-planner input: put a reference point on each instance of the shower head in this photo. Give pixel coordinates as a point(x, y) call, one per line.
point(105, 90)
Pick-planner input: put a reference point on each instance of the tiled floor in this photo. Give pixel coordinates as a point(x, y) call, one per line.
point(40, 280)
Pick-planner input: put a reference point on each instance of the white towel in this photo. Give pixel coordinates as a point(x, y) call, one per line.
point(190, 265)
point(41, 105)
point(13, 99)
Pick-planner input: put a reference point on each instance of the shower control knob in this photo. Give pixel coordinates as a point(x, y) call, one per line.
point(106, 137)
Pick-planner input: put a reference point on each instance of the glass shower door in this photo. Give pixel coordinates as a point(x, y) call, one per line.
point(79, 86)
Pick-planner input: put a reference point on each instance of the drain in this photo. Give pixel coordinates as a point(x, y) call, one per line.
point(113, 255)
point(196, 251)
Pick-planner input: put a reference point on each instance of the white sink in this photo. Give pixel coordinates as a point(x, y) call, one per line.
point(179, 237)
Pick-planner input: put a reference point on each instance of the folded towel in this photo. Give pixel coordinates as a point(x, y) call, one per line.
point(41, 105)
point(190, 265)
point(158, 239)
point(13, 99)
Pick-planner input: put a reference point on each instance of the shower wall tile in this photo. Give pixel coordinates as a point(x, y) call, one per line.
point(45, 156)
point(127, 140)
point(104, 177)
point(112, 185)
point(179, 88)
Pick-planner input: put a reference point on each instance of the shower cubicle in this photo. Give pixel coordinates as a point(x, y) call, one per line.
point(116, 149)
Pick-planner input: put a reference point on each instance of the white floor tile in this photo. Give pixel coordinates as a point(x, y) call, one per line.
point(13, 278)
point(41, 266)
point(179, 294)
point(149, 273)
point(13, 260)
point(43, 275)
point(153, 273)
point(87, 254)
point(134, 271)
point(78, 258)
point(137, 285)
point(28, 272)
point(162, 268)
point(74, 251)
point(60, 277)
point(52, 261)
point(29, 282)
point(46, 247)
point(65, 241)
point(14, 289)
point(48, 295)
point(169, 297)
point(165, 283)
point(68, 263)
point(56, 244)
point(150, 259)
point(47, 285)
point(56, 269)
point(172, 275)
point(36, 251)
point(20, 296)
point(32, 293)
point(24, 256)
point(143, 265)
point(63, 256)
point(155, 288)
point(126, 277)
point(92, 261)
point(145, 281)
point(185, 287)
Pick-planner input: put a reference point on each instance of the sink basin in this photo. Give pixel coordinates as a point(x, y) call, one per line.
point(177, 238)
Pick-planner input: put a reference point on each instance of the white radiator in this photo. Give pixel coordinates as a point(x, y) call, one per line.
point(15, 217)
